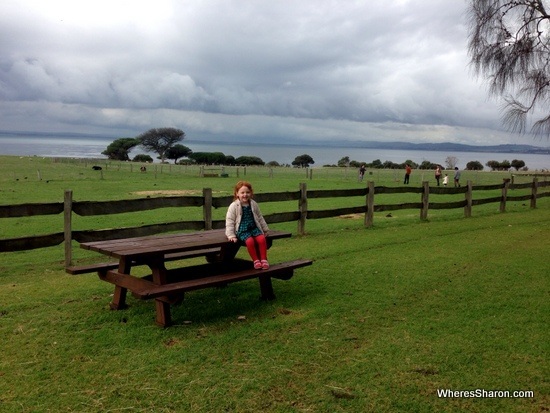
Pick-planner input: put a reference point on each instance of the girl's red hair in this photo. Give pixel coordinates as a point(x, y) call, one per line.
point(239, 185)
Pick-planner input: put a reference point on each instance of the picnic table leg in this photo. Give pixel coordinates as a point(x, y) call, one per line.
point(163, 316)
point(227, 253)
point(119, 296)
point(162, 307)
point(266, 288)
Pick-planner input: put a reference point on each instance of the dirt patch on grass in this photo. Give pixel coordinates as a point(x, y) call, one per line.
point(169, 192)
point(351, 216)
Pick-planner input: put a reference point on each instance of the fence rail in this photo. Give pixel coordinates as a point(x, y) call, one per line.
point(208, 202)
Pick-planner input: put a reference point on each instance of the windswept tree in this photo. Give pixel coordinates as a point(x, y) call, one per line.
point(509, 44)
point(160, 140)
point(119, 149)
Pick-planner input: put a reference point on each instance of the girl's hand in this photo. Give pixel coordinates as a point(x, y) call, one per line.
point(233, 239)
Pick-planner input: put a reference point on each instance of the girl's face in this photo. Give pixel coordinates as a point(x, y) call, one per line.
point(244, 195)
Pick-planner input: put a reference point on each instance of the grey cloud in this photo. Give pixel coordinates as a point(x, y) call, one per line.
point(328, 68)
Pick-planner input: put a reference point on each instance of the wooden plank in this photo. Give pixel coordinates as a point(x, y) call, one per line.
point(67, 227)
point(30, 243)
point(425, 200)
point(336, 193)
point(281, 217)
point(88, 208)
point(526, 197)
point(29, 210)
point(336, 212)
point(126, 281)
point(173, 243)
point(83, 269)
point(302, 208)
point(88, 268)
point(401, 190)
point(483, 201)
point(154, 291)
point(134, 232)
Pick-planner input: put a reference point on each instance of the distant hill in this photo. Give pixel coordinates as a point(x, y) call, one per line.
point(441, 147)
point(455, 147)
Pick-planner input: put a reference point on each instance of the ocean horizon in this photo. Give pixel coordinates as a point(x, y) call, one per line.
point(91, 147)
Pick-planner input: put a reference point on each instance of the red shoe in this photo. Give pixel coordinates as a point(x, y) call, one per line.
point(257, 265)
point(265, 265)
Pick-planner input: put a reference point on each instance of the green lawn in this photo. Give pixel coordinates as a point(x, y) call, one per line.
point(383, 318)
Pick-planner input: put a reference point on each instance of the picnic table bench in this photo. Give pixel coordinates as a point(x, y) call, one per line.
point(167, 286)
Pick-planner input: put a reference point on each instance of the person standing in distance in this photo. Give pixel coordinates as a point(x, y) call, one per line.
point(408, 171)
point(437, 174)
point(457, 176)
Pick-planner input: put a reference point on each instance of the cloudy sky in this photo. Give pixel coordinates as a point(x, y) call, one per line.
point(247, 70)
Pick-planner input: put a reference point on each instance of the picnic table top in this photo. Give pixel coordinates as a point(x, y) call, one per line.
point(166, 244)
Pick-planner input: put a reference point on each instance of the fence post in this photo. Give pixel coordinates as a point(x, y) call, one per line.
point(503, 198)
point(67, 226)
point(201, 171)
point(469, 197)
point(425, 200)
point(369, 215)
point(302, 208)
point(207, 208)
point(534, 192)
point(310, 174)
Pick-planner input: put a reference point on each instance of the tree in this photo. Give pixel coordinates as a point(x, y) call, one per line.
point(159, 140)
point(427, 165)
point(412, 164)
point(517, 164)
point(208, 158)
point(494, 165)
point(178, 151)
point(474, 166)
point(345, 161)
point(249, 160)
point(505, 165)
point(377, 163)
point(142, 158)
point(500, 166)
point(391, 165)
point(303, 161)
point(119, 149)
point(450, 162)
point(509, 45)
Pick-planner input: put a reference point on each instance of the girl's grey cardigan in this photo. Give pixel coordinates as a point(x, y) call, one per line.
point(234, 215)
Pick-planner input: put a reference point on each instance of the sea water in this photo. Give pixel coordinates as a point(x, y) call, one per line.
point(92, 147)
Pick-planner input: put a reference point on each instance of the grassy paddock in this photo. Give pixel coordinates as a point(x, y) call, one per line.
point(384, 318)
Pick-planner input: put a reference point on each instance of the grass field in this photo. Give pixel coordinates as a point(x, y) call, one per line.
point(383, 319)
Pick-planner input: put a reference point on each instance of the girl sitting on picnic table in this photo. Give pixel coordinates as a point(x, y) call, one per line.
point(244, 222)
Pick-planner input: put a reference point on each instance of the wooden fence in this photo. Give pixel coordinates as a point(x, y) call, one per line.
point(208, 202)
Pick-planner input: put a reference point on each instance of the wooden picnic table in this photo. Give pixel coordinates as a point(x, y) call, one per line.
point(167, 286)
